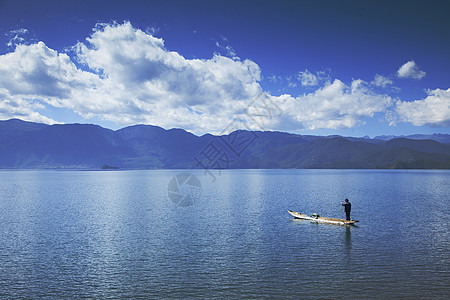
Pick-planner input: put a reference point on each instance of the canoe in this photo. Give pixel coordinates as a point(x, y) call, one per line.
point(322, 219)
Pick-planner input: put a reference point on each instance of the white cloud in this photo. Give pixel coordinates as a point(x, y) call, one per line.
point(153, 85)
point(434, 110)
point(38, 71)
point(133, 79)
point(16, 36)
point(35, 73)
point(25, 109)
point(127, 76)
point(381, 81)
point(19, 31)
point(307, 78)
point(410, 70)
point(335, 105)
point(227, 49)
point(274, 79)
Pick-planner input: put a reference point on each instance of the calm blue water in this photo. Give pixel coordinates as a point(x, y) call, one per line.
point(115, 234)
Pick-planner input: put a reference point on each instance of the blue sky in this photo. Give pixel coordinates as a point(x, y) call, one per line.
point(324, 67)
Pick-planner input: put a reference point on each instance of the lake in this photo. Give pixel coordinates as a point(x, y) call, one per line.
point(125, 234)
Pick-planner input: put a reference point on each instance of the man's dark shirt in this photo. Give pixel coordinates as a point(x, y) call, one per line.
point(347, 207)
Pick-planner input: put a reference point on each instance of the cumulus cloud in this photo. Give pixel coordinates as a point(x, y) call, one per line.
point(35, 73)
point(434, 110)
point(151, 84)
point(128, 76)
point(26, 109)
point(335, 105)
point(131, 78)
point(410, 70)
point(38, 71)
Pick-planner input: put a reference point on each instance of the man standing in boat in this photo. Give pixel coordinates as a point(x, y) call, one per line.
point(348, 208)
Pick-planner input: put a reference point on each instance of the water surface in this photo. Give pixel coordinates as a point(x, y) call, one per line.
point(116, 234)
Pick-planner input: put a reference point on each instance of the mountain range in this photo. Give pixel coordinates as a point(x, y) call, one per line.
point(25, 145)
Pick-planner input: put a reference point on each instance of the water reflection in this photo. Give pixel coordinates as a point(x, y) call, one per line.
point(348, 239)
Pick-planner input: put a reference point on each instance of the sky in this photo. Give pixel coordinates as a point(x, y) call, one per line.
point(352, 68)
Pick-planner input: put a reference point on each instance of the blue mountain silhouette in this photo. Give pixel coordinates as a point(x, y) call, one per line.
point(84, 146)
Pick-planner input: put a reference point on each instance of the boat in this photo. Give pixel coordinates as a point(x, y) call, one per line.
point(318, 219)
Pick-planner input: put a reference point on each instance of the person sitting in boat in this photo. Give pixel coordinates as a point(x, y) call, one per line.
point(348, 208)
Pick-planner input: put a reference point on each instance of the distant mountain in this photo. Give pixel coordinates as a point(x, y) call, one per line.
point(14, 127)
point(74, 145)
point(428, 146)
point(438, 137)
point(83, 146)
point(155, 147)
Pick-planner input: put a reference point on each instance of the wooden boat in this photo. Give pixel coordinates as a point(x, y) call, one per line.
point(319, 219)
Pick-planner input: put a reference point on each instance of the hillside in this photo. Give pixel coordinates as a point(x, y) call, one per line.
point(84, 146)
